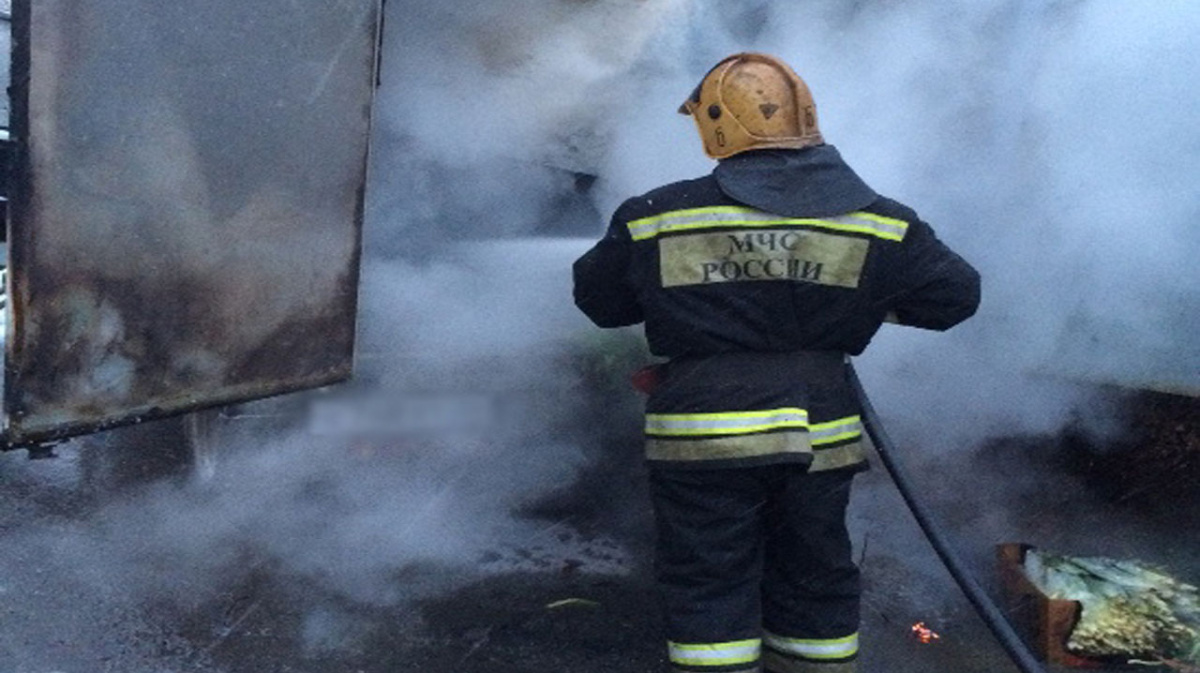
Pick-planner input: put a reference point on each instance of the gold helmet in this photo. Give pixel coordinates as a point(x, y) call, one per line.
point(750, 102)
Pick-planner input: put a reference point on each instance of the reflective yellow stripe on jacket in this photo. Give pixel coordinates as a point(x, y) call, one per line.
point(724, 423)
point(752, 434)
point(836, 431)
point(740, 216)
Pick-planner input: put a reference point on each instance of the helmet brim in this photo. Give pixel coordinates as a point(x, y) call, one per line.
point(689, 105)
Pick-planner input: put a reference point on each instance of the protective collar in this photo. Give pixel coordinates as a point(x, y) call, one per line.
point(809, 182)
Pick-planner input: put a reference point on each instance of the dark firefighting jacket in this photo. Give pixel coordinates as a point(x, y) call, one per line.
point(756, 282)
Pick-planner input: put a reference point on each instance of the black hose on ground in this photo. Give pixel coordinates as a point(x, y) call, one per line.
point(991, 615)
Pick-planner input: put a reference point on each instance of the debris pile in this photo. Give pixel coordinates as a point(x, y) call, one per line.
point(1130, 610)
point(1158, 459)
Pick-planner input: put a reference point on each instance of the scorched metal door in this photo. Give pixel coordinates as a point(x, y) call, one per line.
point(187, 217)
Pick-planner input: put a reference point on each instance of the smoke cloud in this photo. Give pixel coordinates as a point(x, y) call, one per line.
point(1047, 142)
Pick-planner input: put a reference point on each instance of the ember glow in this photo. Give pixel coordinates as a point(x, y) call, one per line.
point(925, 634)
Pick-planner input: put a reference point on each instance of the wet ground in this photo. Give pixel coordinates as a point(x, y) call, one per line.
point(104, 571)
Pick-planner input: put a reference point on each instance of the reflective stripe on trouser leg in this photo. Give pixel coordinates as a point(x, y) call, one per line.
point(708, 564)
point(810, 655)
point(810, 583)
point(731, 657)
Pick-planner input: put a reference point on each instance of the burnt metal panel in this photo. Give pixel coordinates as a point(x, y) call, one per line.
point(187, 216)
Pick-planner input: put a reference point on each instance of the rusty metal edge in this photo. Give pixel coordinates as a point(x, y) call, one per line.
point(365, 174)
point(55, 432)
point(22, 188)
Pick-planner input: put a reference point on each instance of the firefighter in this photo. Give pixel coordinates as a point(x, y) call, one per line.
point(756, 283)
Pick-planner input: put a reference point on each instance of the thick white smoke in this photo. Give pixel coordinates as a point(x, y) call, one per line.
point(1048, 142)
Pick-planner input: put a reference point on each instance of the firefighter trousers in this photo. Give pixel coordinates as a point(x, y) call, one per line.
point(755, 571)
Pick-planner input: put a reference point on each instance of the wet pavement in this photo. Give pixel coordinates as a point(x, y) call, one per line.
point(162, 572)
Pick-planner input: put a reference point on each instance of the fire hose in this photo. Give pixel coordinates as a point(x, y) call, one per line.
point(983, 604)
